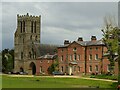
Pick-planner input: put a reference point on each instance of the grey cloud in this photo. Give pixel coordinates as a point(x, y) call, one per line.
point(59, 20)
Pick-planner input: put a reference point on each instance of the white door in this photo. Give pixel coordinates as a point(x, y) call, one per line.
point(70, 70)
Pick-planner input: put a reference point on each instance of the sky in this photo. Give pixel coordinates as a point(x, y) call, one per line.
point(60, 20)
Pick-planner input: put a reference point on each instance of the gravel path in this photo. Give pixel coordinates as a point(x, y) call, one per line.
point(64, 76)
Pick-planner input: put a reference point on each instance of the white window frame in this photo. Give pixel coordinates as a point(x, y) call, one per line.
point(108, 68)
point(78, 57)
point(96, 56)
point(48, 61)
point(96, 68)
point(90, 68)
point(62, 58)
point(78, 68)
point(70, 57)
point(40, 69)
point(90, 55)
point(62, 68)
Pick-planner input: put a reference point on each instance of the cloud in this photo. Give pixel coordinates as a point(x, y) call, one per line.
point(63, 20)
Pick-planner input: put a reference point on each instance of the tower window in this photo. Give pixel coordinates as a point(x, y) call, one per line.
point(31, 37)
point(36, 38)
point(35, 27)
point(21, 26)
point(21, 55)
point(30, 54)
point(32, 27)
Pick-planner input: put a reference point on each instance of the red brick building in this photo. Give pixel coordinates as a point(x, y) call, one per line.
point(43, 63)
point(83, 57)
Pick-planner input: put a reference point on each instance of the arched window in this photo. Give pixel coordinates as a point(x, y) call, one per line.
point(23, 26)
point(21, 55)
point(31, 26)
point(31, 37)
point(35, 27)
point(29, 54)
point(36, 38)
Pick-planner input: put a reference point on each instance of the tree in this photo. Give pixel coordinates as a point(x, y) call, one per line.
point(53, 67)
point(110, 38)
point(7, 60)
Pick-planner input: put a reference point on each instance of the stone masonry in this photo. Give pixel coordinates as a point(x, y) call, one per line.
point(26, 36)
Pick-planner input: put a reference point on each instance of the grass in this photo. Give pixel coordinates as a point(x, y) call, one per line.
point(112, 77)
point(52, 82)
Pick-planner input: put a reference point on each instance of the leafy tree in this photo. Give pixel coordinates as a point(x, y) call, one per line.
point(7, 60)
point(110, 38)
point(53, 67)
point(4, 60)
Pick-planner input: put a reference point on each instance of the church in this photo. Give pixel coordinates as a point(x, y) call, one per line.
point(26, 40)
point(78, 57)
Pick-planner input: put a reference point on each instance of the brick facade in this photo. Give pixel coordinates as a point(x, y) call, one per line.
point(43, 63)
point(83, 57)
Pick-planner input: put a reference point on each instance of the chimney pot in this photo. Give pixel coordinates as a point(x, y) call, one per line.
point(93, 38)
point(80, 39)
point(66, 42)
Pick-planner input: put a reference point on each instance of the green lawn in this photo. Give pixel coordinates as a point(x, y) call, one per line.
point(52, 82)
point(113, 77)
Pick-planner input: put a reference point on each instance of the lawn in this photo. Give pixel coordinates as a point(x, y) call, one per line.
point(110, 77)
point(52, 82)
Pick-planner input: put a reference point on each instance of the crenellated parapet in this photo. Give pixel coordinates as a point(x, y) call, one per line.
point(27, 16)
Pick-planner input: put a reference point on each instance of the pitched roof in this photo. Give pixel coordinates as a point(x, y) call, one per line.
point(85, 43)
point(47, 56)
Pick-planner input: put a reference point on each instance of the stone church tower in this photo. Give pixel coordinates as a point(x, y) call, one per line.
point(27, 35)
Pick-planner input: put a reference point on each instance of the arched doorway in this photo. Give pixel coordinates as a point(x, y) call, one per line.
point(33, 68)
point(21, 69)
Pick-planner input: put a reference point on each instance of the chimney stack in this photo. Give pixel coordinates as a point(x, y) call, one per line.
point(80, 39)
point(66, 42)
point(93, 38)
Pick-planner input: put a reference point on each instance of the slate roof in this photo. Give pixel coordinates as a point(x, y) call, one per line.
point(86, 43)
point(47, 56)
